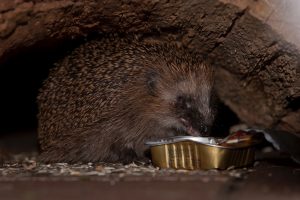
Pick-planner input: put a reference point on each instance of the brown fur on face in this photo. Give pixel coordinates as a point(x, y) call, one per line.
point(104, 100)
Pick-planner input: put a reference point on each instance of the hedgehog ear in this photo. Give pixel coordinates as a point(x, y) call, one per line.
point(151, 79)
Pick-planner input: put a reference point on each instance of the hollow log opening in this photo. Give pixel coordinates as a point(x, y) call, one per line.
point(257, 65)
point(21, 77)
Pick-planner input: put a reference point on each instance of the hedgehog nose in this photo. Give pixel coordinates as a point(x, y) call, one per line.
point(204, 130)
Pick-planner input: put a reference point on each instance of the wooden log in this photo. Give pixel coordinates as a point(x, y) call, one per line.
point(257, 65)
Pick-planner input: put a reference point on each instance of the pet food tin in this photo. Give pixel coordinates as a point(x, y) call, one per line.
point(188, 152)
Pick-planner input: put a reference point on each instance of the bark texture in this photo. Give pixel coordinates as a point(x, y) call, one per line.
point(258, 73)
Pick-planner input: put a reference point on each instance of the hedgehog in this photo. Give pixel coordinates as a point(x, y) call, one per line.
point(108, 96)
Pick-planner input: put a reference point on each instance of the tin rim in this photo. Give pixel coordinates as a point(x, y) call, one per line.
point(169, 140)
point(209, 141)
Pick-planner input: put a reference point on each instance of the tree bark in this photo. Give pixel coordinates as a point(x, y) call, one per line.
point(257, 65)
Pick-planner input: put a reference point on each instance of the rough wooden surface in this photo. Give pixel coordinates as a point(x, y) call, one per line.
point(265, 182)
point(281, 15)
point(257, 69)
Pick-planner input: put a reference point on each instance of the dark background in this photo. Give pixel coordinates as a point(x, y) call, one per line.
point(21, 76)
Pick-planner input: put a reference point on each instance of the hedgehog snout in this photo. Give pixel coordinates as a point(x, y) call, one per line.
point(195, 122)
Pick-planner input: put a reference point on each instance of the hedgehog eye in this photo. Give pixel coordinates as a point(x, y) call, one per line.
point(183, 102)
point(180, 100)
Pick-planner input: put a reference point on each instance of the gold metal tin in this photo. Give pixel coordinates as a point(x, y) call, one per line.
point(199, 153)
